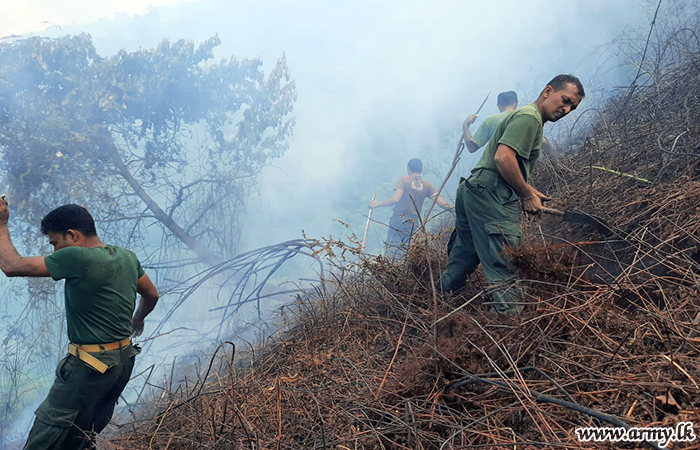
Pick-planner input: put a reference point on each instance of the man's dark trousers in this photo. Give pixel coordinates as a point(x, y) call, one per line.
point(80, 403)
point(488, 220)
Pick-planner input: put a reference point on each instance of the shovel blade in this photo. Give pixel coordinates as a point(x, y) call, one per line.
point(599, 223)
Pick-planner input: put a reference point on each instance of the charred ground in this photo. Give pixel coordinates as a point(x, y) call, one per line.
point(376, 359)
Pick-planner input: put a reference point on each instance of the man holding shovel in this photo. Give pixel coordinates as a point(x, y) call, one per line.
point(506, 102)
point(488, 215)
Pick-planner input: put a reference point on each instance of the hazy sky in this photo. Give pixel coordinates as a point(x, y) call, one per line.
point(378, 81)
point(27, 16)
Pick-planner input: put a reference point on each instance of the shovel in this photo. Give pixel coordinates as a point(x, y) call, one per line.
point(579, 217)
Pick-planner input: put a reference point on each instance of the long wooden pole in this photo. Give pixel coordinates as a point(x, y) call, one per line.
point(455, 160)
point(369, 220)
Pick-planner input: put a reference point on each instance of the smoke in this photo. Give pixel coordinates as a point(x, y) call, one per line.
point(378, 82)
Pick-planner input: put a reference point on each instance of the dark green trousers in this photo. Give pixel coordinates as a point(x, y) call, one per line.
point(79, 405)
point(488, 219)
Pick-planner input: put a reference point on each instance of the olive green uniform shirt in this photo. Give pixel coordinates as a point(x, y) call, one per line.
point(488, 128)
point(100, 295)
point(520, 130)
point(100, 291)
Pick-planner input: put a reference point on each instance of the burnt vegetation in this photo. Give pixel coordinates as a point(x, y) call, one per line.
point(376, 359)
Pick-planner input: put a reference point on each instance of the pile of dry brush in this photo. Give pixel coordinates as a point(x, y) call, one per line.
point(611, 336)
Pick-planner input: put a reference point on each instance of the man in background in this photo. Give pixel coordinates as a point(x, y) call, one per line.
point(100, 296)
point(409, 194)
point(506, 102)
point(488, 214)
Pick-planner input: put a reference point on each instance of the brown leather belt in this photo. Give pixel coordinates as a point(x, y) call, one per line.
point(82, 352)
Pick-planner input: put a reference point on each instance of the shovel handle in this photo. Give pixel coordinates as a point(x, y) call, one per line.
point(552, 211)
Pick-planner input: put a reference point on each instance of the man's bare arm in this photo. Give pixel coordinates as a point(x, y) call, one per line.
point(442, 203)
point(388, 202)
point(149, 299)
point(471, 146)
point(11, 263)
point(507, 164)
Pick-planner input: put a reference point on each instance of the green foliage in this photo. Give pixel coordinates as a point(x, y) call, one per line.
point(192, 134)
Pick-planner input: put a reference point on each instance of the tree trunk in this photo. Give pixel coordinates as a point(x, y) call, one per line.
point(106, 143)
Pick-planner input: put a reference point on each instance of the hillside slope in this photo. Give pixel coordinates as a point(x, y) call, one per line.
point(612, 332)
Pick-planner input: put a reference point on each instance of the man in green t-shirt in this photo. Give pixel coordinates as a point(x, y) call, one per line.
point(101, 283)
point(488, 216)
point(507, 102)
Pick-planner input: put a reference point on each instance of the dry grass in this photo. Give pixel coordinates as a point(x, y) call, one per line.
point(378, 361)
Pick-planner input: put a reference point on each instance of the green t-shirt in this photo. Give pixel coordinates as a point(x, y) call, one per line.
point(100, 291)
point(520, 130)
point(487, 128)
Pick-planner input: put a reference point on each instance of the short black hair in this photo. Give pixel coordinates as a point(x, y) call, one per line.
point(560, 81)
point(69, 217)
point(415, 165)
point(507, 98)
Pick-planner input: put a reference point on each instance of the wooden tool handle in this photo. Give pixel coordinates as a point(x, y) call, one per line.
point(552, 211)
